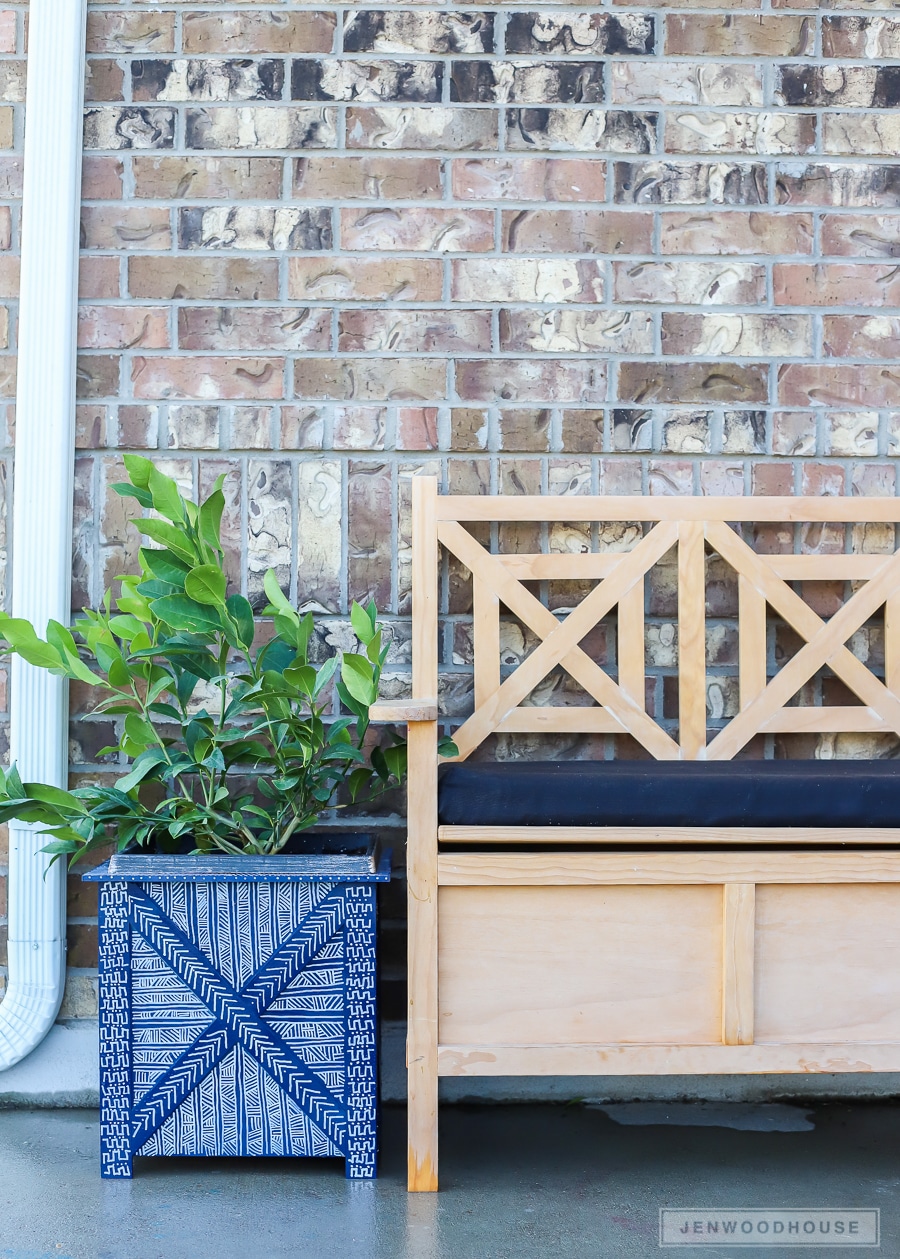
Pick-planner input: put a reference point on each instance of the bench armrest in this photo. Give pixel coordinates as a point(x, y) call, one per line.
point(404, 710)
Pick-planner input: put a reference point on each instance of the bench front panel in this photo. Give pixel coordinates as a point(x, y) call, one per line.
point(520, 965)
point(739, 967)
point(828, 963)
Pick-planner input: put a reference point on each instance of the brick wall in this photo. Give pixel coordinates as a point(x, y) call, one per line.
point(630, 248)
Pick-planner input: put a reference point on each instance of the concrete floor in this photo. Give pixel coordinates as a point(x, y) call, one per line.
point(518, 1182)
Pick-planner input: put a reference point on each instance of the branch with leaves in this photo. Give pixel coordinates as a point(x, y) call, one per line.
point(200, 706)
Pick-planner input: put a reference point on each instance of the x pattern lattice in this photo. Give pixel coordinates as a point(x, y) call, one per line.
point(762, 579)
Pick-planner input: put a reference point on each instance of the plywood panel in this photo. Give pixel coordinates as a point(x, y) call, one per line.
point(522, 965)
point(828, 963)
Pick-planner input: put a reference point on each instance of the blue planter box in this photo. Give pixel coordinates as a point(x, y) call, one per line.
point(238, 1008)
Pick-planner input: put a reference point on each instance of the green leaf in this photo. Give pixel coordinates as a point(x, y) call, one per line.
point(143, 765)
point(126, 627)
point(277, 597)
point(358, 709)
point(303, 677)
point(24, 642)
point(55, 796)
point(324, 676)
point(241, 613)
point(356, 781)
point(356, 674)
point(206, 584)
point(154, 589)
point(164, 565)
point(139, 731)
point(14, 785)
point(168, 536)
point(446, 747)
point(362, 625)
point(165, 710)
point(166, 496)
point(138, 469)
point(395, 759)
point(214, 761)
point(61, 638)
point(288, 628)
point(59, 847)
point(373, 649)
point(187, 683)
point(211, 516)
point(182, 613)
point(124, 490)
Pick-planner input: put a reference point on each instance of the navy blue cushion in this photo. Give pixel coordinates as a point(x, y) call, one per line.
point(671, 793)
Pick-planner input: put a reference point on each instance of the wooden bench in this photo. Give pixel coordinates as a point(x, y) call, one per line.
point(641, 949)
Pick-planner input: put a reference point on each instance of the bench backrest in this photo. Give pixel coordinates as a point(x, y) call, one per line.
point(695, 526)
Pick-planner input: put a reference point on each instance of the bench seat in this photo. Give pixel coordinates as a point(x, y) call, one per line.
point(852, 793)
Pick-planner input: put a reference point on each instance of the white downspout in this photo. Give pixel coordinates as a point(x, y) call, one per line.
point(42, 511)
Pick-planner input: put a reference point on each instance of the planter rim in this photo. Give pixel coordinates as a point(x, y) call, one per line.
point(312, 868)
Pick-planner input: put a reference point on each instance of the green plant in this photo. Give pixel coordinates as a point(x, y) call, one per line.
point(199, 705)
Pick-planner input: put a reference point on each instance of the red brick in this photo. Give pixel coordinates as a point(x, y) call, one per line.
point(826, 384)
point(101, 178)
point(577, 231)
point(703, 131)
point(418, 331)
point(241, 279)
point(11, 176)
point(861, 235)
point(772, 479)
point(690, 283)
point(97, 278)
point(529, 380)
point(861, 336)
point(557, 280)
point(677, 383)
point(738, 35)
point(725, 232)
point(421, 127)
point(123, 327)
point(365, 279)
point(368, 541)
point(374, 178)
point(371, 380)
point(104, 81)
point(131, 32)
point(174, 178)
point(794, 433)
point(123, 227)
point(445, 231)
point(253, 328)
point(836, 284)
point(8, 30)
point(417, 428)
point(577, 331)
point(208, 378)
point(529, 179)
point(744, 335)
point(242, 31)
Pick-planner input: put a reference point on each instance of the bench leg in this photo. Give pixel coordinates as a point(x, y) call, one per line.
point(422, 850)
point(422, 1162)
point(422, 908)
point(421, 1048)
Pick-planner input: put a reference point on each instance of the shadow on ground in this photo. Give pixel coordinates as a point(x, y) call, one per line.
point(518, 1182)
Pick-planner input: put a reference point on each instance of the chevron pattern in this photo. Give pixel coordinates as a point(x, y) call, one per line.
point(249, 1014)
